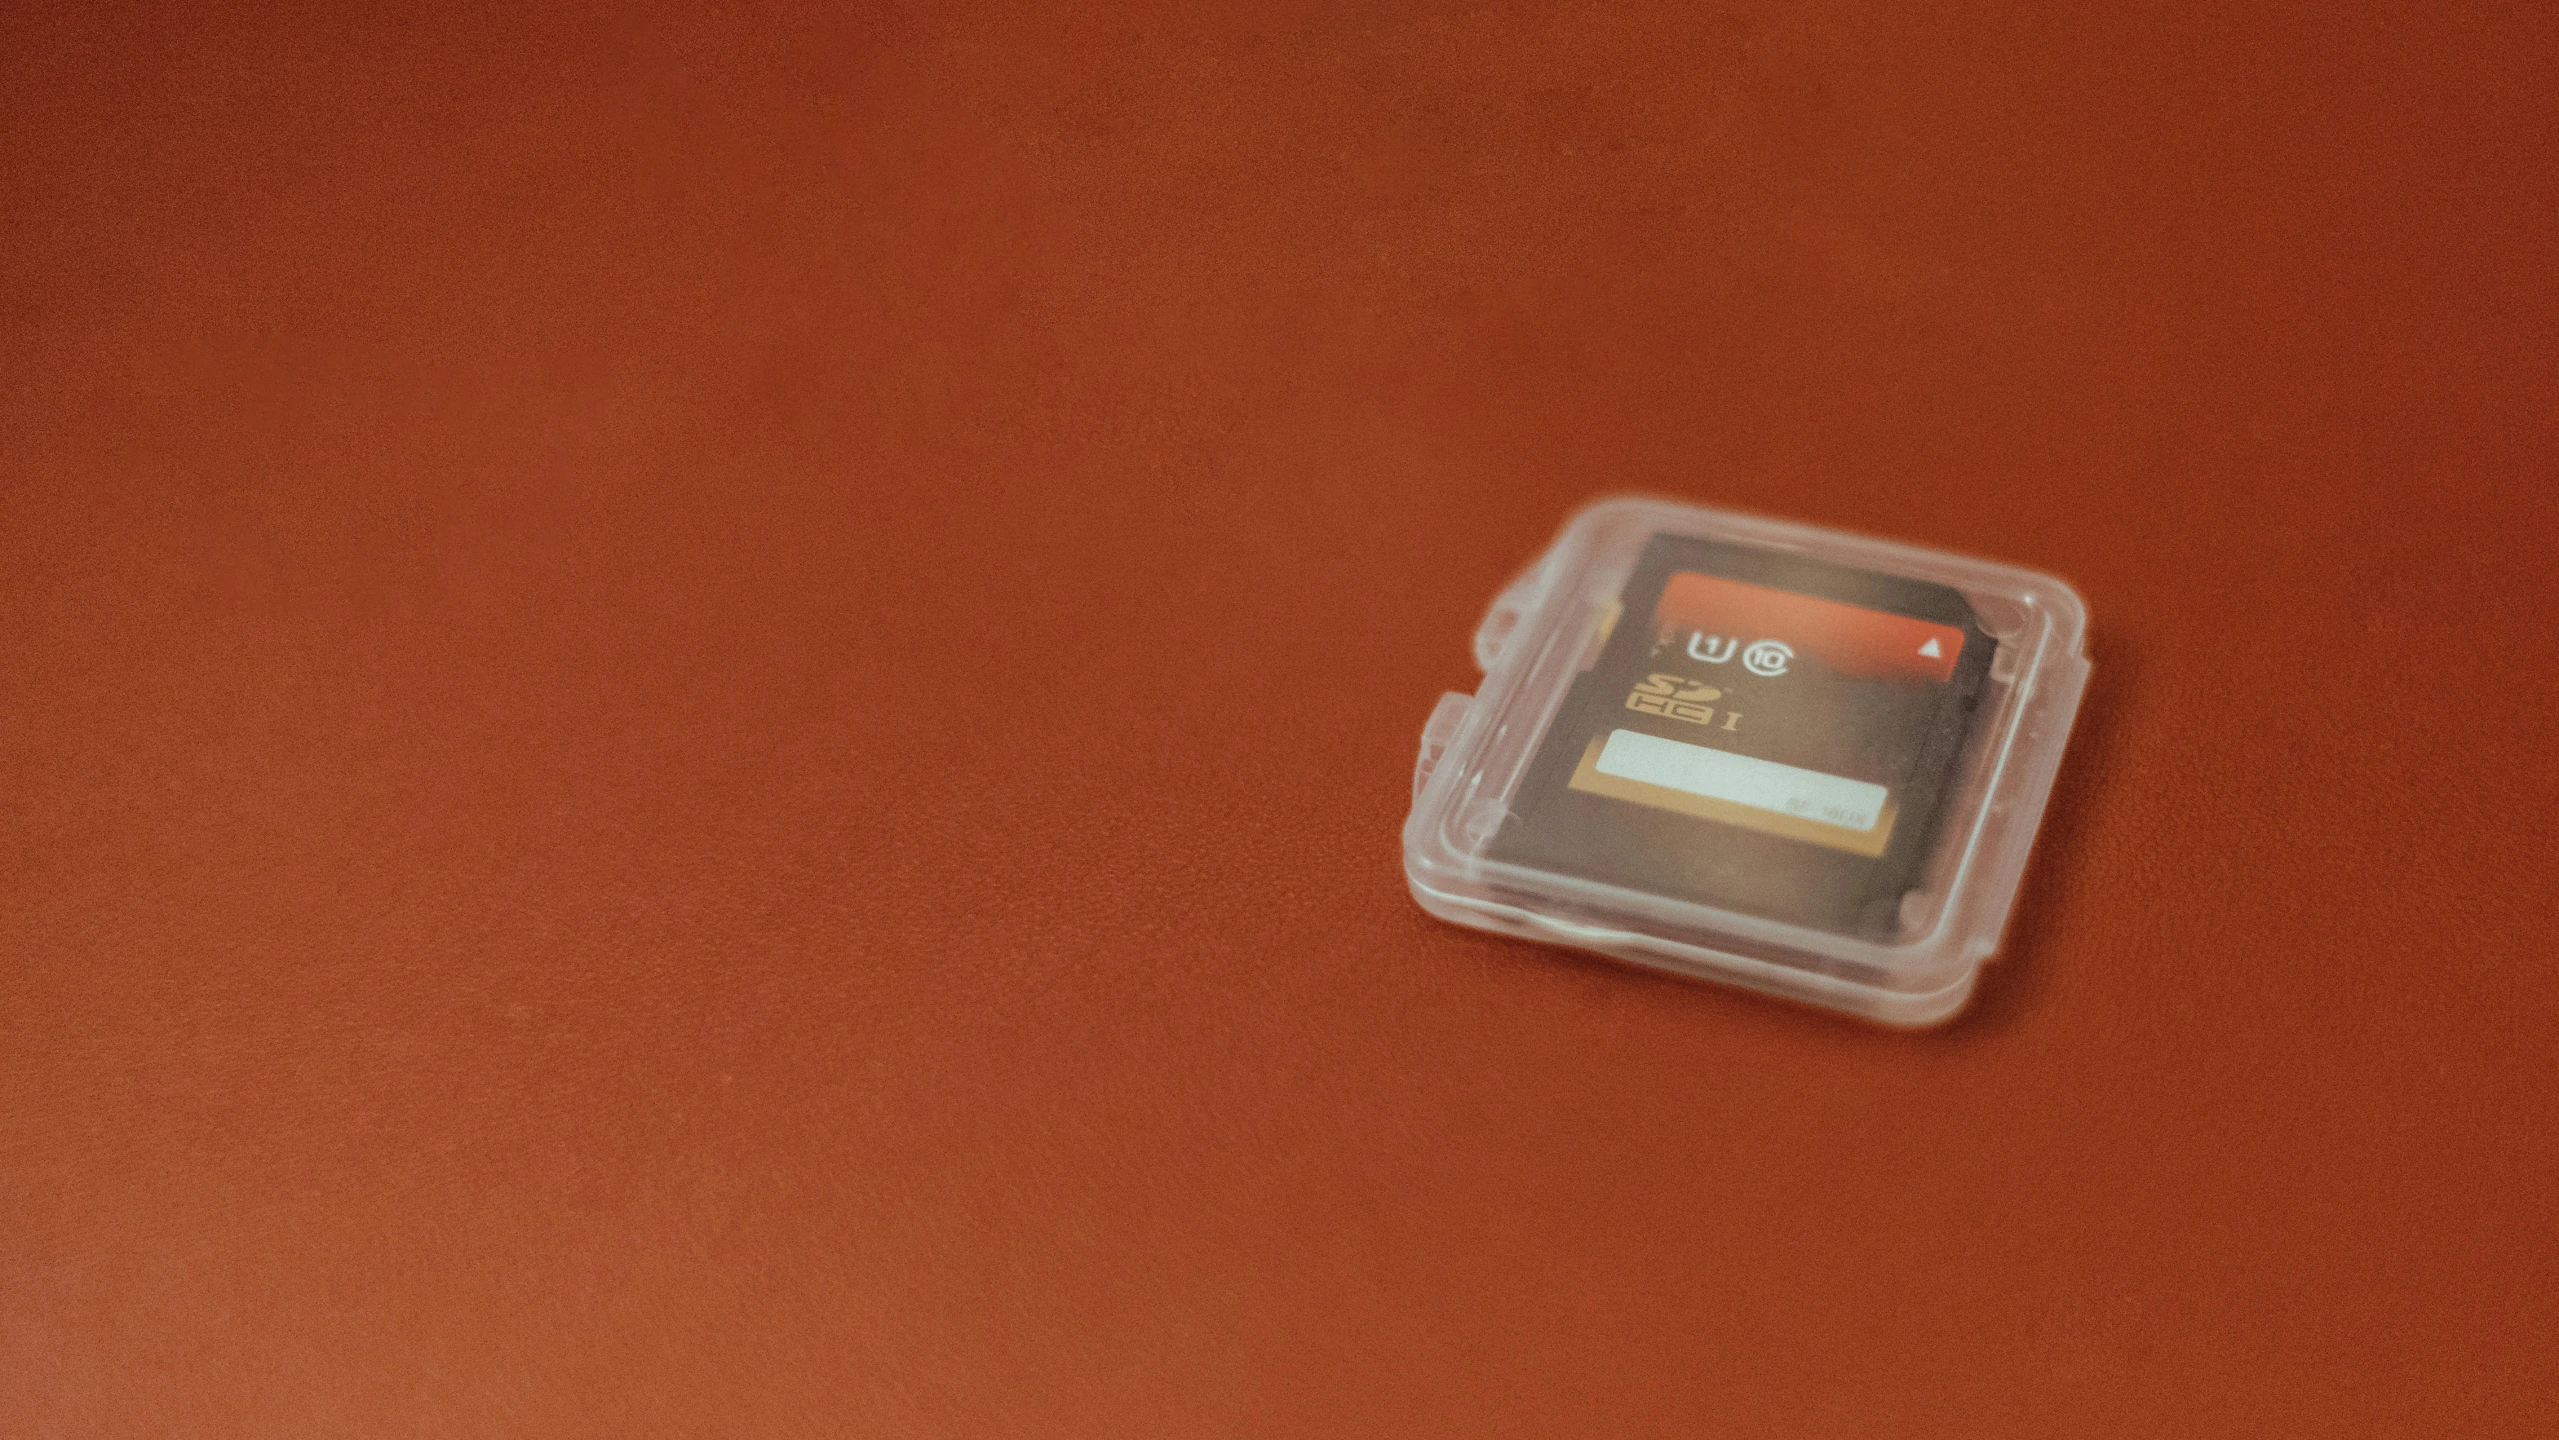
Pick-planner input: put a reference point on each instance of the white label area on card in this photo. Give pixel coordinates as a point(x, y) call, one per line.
point(1742, 780)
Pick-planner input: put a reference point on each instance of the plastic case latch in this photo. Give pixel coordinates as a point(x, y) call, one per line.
point(1516, 601)
point(1437, 733)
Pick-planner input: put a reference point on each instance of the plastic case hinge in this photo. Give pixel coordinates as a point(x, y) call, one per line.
point(2054, 711)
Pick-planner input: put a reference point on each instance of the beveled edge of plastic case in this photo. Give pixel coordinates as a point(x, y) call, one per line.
point(1476, 748)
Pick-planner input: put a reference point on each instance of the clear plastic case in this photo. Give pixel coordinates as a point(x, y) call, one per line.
point(1800, 761)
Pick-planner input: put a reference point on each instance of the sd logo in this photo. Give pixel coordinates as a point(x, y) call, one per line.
point(1675, 699)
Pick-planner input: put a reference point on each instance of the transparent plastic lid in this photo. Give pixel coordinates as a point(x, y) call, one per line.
point(1736, 748)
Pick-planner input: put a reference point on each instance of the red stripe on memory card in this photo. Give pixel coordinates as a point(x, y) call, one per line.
point(1867, 644)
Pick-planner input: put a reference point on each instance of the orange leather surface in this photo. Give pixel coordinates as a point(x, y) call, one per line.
point(703, 716)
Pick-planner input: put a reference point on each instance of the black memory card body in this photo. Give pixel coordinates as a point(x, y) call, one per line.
point(1761, 731)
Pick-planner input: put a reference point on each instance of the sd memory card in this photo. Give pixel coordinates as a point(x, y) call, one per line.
point(1802, 761)
point(1763, 732)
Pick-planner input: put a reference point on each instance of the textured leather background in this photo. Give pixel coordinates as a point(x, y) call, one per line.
point(702, 718)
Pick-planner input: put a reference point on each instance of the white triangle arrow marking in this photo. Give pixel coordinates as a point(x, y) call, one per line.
point(1931, 651)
